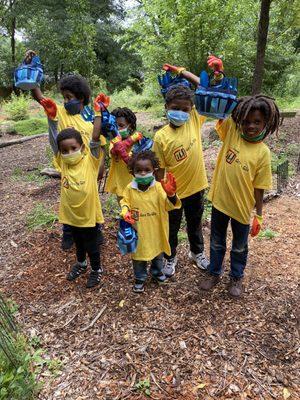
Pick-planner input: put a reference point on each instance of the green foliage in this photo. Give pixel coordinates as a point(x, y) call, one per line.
point(136, 102)
point(182, 236)
point(17, 108)
point(111, 206)
point(32, 176)
point(267, 234)
point(31, 126)
point(144, 386)
point(40, 217)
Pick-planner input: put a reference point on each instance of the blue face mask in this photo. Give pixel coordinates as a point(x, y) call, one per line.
point(177, 117)
point(73, 106)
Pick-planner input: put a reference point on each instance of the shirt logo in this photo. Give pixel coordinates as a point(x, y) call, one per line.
point(135, 214)
point(180, 154)
point(230, 156)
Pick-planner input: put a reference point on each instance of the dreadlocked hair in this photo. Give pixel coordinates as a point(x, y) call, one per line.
point(143, 155)
point(127, 114)
point(179, 92)
point(266, 105)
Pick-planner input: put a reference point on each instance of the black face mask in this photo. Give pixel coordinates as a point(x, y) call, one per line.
point(73, 106)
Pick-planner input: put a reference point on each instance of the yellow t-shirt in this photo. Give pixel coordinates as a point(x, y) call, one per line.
point(79, 199)
point(241, 168)
point(180, 152)
point(150, 210)
point(118, 176)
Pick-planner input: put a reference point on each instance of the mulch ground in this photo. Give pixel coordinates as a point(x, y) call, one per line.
point(189, 344)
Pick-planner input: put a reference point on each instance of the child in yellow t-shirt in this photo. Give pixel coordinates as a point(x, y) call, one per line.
point(242, 173)
point(145, 204)
point(118, 175)
point(79, 206)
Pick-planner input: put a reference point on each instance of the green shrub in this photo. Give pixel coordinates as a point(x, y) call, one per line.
point(40, 216)
point(17, 108)
point(267, 234)
point(32, 126)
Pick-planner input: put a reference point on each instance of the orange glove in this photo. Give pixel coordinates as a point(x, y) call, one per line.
point(101, 98)
point(126, 215)
point(173, 68)
point(256, 225)
point(49, 107)
point(169, 184)
point(215, 63)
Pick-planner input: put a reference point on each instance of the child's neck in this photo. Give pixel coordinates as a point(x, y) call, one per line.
point(143, 188)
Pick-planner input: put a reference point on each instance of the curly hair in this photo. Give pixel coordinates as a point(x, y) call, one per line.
point(77, 85)
point(266, 105)
point(143, 155)
point(127, 114)
point(179, 92)
point(69, 133)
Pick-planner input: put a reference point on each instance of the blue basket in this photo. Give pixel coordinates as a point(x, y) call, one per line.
point(144, 144)
point(217, 101)
point(127, 238)
point(88, 114)
point(109, 127)
point(167, 82)
point(29, 76)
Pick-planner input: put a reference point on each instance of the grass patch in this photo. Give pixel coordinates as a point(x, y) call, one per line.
point(288, 104)
point(32, 176)
point(40, 217)
point(111, 206)
point(267, 234)
point(31, 126)
point(182, 236)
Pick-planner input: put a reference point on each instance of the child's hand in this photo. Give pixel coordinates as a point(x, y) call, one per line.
point(29, 56)
point(49, 107)
point(169, 184)
point(126, 215)
point(100, 101)
point(173, 68)
point(215, 63)
point(256, 225)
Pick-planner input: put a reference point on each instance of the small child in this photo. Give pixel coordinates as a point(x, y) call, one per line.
point(145, 204)
point(242, 173)
point(119, 176)
point(79, 200)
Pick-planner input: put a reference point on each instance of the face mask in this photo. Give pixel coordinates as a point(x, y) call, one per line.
point(177, 118)
point(72, 158)
point(255, 139)
point(73, 106)
point(124, 132)
point(144, 179)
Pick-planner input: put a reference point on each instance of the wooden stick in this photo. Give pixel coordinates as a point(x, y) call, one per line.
point(95, 319)
point(22, 140)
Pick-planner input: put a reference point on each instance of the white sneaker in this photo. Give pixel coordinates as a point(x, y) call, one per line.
point(199, 259)
point(169, 267)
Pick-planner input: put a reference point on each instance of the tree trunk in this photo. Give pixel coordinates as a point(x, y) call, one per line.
point(263, 27)
point(13, 40)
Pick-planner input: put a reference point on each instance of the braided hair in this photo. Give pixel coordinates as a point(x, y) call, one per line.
point(143, 155)
point(265, 104)
point(127, 114)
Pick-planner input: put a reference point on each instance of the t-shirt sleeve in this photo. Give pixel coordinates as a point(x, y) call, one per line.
point(53, 132)
point(95, 153)
point(170, 206)
point(157, 148)
point(263, 176)
point(223, 126)
point(125, 201)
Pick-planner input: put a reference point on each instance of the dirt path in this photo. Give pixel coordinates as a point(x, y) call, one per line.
point(189, 344)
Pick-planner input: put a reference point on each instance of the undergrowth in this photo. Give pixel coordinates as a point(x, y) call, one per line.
point(41, 216)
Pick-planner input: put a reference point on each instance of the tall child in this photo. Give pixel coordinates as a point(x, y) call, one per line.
point(242, 173)
point(145, 204)
point(179, 149)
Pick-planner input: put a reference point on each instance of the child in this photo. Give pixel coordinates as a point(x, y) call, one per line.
point(76, 94)
point(242, 173)
point(179, 150)
point(119, 176)
point(79, 201)
point(146, 204)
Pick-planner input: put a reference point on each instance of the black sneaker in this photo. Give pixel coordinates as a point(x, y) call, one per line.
point(161, 278)
point(94, 278)
point(67, 242)
point(138, 286)
point(76, 271)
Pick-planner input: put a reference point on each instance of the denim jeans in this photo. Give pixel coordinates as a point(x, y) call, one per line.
point(140, 267)
point(193, 207)
point(239, 248)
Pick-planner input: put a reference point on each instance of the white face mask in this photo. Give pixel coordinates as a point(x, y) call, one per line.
point(72, 158)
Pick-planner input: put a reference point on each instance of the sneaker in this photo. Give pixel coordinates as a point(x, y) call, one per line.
point(94, 278)
point(235, 287)
point(161, 278)
point(76, 271)
point(67, 242)
point(209, 282)
point(169, 267)
point(138, 286)
point(199, 259)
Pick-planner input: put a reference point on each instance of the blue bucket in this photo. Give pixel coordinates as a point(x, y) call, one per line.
point(167, 82)
point(29, 76)
point(127, 238)
point(144, 144)
point(216, 101)
point(88, 114)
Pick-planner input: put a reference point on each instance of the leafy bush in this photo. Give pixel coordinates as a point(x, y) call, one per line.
point(40, 216)
point(137, 102)
point(32, 126)
point(17, 108)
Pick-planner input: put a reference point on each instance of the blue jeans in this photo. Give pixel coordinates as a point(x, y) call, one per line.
point(239, 248)
point(140, 267)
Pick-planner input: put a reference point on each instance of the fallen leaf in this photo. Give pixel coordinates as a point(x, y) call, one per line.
point(199, 387)
point(121, 304)
point(286, 394)
point(209, 330)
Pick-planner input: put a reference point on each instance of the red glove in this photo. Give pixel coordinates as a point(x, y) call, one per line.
point(120, 150)
point(169, 184)
point(256, 225)
point(173, 68)
point(100, 101)
point(126, 215)
point(214, 63)
point(49, 107)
